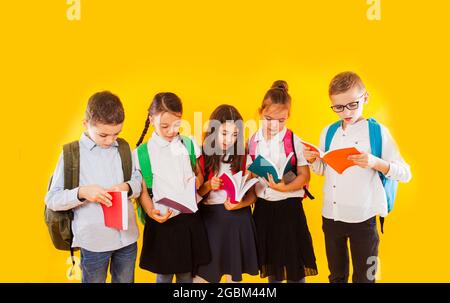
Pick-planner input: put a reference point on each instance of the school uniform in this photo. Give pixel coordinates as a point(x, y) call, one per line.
point(231, 237)
point(98, 243)
point(353, 199)
point(180, 244)
point(284, 243)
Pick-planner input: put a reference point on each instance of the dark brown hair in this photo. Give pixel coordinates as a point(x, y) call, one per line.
point(162, 102)
point(344, 81)
point(105, 107)
point(222, 114)
point(277, 94)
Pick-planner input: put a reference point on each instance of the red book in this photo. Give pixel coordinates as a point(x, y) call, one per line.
point(116, 216)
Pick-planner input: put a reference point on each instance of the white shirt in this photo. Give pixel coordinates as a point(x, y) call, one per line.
point(171, 167)
point(103, 167)
point(358, 194)
point(218, 196)
point(273, 149)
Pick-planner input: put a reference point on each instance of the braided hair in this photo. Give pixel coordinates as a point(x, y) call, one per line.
point(162, 102)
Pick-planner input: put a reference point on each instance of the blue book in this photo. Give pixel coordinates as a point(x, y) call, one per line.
point(262, 167)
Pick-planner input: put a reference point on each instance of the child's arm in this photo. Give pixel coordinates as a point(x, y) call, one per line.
point(214, 184)
point(247, 200)
point(132, 186)
point(391, 162)
point(317, 165)
point(198, 173)
point(300, 180)
point(59, 199)
point(147, 204)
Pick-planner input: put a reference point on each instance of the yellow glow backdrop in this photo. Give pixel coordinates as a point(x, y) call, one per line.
point(214, 52)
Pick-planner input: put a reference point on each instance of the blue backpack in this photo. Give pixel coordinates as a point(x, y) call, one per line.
point(376, 146)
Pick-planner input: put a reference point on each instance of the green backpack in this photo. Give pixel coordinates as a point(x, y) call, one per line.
point(146, 168)
point(59, 223)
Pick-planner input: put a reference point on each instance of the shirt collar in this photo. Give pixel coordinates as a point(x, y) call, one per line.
point(90, 144)
point(161, 141)
point(278, 137)
point(356, 125)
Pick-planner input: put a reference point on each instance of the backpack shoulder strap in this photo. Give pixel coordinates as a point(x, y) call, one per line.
point(125, 156)
point(145, 164)
point(252, 147)
point(71, 156)
point(289, 147)
point(330, 134)
point(187, 142)
point(375, 137)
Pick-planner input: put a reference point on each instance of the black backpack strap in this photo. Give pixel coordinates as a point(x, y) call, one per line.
point(125, 156)
point(71, 165)
point(294, 168)
point(71, 152)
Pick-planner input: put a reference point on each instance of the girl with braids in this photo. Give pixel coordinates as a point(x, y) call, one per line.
point(285, 250)
point(174, 243)
point(230, 227)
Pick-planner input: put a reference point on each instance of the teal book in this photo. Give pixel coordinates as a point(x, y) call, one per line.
point(262, 167)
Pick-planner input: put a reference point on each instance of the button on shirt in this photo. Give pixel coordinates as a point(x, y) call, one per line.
point(273, 150)
point(171, 167)
point(358, 194)
point(103, 167)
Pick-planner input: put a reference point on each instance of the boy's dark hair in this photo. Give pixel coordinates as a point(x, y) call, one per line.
point(162, 102)
point(344, 81)
point(277, 94)
point(105, 107)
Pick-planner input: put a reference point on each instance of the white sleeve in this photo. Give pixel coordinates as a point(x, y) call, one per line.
point(197, 149)
point(318, 166)
point(298, 146)
point(136, 159)
point(58, 198)
point(399, 170)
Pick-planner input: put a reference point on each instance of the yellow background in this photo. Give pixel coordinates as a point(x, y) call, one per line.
point(213, 52)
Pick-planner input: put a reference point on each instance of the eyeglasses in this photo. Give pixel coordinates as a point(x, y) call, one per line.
point(350, 106)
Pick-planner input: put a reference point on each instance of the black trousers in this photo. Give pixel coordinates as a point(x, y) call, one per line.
point(364, 242)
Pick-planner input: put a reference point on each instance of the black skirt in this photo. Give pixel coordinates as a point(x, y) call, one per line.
point(232, 241)
point(285, 248)
point(178, 245)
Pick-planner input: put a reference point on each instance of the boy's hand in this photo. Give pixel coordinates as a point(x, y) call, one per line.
point(120, 187)
point(310, 155)
point(215, 183)
point(155, 214)
point(95, 193)
point(364, 160)
point(281, 186)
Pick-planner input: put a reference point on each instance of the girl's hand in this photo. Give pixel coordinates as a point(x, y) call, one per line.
point(95, 193)
point(310, 155)
point(281, 186)
point(215, 183)
point(364, 160)
point(155, 214)
point(231, 206)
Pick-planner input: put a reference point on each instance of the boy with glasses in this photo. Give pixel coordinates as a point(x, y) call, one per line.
point(353, 199)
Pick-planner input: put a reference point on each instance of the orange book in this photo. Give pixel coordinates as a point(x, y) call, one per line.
point(336, 158)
